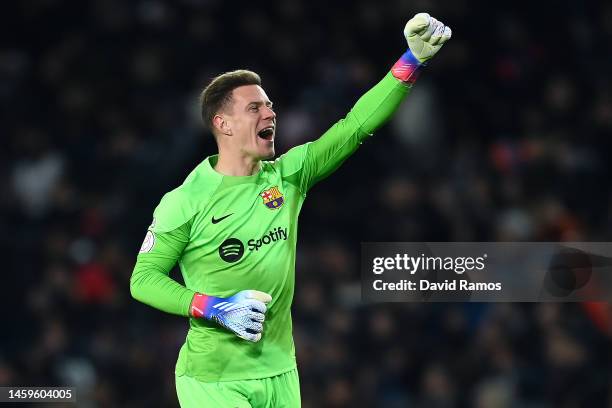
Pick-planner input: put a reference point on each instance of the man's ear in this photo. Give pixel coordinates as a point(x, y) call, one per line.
point(221, 125)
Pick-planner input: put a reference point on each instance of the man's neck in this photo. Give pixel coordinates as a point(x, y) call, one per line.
point(237, 166)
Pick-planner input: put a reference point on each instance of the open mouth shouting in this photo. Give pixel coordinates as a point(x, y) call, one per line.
point(267, 133)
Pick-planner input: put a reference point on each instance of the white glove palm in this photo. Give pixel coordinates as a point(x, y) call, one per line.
point(425, 36)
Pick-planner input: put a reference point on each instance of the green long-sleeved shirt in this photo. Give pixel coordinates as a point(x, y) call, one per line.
point(235, 233)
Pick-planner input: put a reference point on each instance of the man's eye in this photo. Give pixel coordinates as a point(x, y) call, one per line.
point(254, 108)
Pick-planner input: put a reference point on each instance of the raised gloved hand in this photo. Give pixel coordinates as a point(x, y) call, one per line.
point(425, 36)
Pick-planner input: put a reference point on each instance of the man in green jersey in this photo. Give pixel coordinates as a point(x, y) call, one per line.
point(232, 227)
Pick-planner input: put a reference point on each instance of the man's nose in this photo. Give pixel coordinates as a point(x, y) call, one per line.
point(268, 113)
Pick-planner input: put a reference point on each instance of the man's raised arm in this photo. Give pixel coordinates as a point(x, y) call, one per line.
point(425, 36)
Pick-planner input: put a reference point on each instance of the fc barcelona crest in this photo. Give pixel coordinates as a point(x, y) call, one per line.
point(272, 198)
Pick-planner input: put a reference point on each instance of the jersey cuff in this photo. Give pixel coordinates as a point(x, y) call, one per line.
point(198, 305)
point(407, 68)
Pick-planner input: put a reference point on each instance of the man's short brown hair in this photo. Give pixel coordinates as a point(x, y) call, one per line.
point(218, 94)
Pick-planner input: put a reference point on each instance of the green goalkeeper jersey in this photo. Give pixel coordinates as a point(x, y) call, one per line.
point(234, 233)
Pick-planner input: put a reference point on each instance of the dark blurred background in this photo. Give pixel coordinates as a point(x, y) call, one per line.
point(506, 136)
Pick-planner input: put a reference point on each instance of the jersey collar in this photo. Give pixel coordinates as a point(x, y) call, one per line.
point(209, 169)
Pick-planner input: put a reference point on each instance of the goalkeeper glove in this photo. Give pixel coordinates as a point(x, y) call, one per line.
point(242, 314)
point(425, 36)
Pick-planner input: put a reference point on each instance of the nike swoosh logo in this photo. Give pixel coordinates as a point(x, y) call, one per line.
point(218, 220)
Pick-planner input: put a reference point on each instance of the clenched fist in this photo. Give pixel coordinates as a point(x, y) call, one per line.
point(425, 36)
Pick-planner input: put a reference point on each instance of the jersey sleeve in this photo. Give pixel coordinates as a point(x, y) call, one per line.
point(316, 160)
point(150, 282)
point(163, 246)
point(174, 210)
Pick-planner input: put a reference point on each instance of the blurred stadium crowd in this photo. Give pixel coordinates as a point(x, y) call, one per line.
point(506, 136)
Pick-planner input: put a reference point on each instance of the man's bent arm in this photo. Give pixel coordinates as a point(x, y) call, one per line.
point(152, 285)
point(150, 282)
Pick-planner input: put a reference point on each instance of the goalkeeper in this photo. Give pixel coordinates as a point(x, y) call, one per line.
point(232, 227)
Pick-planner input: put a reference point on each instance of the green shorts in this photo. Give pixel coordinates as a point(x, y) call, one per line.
point(281, 391)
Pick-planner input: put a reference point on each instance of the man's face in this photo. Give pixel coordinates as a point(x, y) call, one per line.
point(252, 122)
